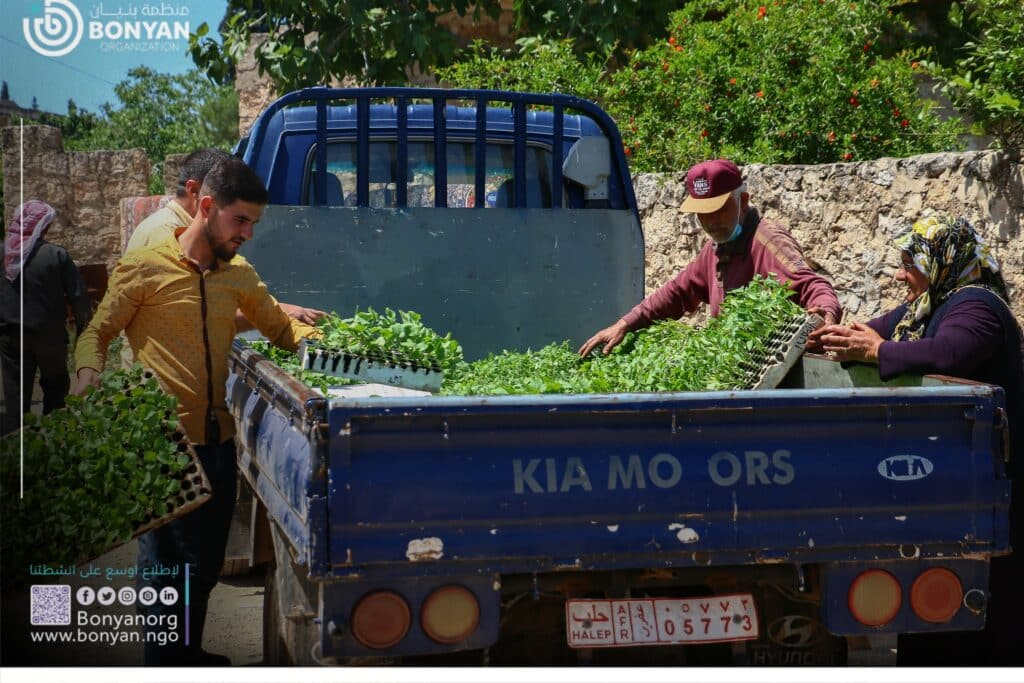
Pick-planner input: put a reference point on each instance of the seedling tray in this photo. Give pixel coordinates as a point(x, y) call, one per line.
point(391, 370)
point(195, 487)
point(768, 366)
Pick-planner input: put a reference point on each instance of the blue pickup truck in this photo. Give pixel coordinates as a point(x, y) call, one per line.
point(758, 527)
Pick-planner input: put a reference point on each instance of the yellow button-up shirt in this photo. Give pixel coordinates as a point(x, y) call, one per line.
point(156, 296)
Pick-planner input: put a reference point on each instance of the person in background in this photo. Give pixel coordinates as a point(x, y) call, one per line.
point(178, 213)
point(176, 301)
point(955, 320)
point(742, 244)
point(44, 274)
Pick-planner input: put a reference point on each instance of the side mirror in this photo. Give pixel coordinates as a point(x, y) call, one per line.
point(588, 163)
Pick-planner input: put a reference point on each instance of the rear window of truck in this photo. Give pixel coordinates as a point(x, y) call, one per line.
point(461, 171)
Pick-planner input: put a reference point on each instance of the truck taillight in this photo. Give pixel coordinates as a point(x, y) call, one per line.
point(875, 597)
point(381, 619)
point(450, 614)
point(936, 595)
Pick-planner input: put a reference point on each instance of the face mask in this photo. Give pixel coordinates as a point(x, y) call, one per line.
point(734, 235)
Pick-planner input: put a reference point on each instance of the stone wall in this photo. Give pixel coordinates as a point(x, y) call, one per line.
point(846, 215)
point(84, 187)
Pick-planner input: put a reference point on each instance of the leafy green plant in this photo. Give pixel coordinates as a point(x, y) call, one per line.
point(987, 81)
point(94, 472)
point(391, 335)
point(535, 66)
point(291, 363)
point(400, 335)
point(792, 81)
point(667, 356)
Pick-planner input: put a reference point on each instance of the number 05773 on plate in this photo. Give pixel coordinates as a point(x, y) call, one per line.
point(660, 621)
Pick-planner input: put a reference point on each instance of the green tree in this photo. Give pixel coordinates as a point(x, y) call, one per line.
point(161, 113)
point(987, 80)
point(310, 42)
point(609, 27)
point(534, 67)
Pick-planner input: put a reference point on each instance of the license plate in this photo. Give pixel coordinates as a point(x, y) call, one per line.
point(660, 621)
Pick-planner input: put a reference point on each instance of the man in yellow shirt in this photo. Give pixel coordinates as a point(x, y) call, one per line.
point(160, 225)
point(176, 301)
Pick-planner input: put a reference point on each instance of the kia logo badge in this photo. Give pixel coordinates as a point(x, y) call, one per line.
point(905, 467)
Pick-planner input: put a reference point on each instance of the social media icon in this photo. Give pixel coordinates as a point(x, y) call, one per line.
point(147, 595)
point(168, 595)
point(106, 595)
point(85, 596)
point(126, 596)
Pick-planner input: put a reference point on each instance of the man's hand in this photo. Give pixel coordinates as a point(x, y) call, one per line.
point(310, 316)
point(814, 339)
point(86, 377)
point(609, 336)
point(857, 342)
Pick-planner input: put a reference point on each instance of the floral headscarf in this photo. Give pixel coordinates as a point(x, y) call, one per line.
point(30, 222)
point(952, 256)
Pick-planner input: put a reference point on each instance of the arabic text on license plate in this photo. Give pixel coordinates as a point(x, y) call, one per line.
point(660, 621)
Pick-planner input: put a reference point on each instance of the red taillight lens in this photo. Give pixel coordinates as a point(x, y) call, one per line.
point(381, 619)
point(875, 597)
point(450, 614)
point(936, 595)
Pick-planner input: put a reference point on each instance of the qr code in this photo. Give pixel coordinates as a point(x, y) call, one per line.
point(51, 605)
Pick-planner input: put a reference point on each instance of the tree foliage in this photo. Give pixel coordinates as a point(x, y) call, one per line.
point(792, 82)
point(311, 42)
point(987, 79)
point(160, 113)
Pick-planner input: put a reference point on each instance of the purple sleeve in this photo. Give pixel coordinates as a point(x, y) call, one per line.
point(966, 339)
point(680, 295)
point(884, 323)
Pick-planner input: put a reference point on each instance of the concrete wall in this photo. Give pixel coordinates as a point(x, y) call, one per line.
point(846, 215)
point(84, 187)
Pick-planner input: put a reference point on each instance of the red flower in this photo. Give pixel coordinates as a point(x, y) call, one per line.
point(832, 136)
point(914, 65)
point(854, 102)
point(671, 40)
point(732, 81)
point(707, 107)
point(704, 133)
point(628, 151)
point(896, 113)
point(761, 11)
point(904, 123)
point(664, 66)
point(867, 46)
point(759, 93)
point(847, 156)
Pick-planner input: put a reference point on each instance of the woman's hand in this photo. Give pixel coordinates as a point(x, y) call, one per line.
point(857, 342)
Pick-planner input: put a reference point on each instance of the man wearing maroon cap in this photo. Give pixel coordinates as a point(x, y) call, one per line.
point(742, 245)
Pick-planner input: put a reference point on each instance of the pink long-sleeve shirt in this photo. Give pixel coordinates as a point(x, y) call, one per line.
point(764, 248)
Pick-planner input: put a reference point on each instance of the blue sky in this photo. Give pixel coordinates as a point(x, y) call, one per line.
point(114, 37)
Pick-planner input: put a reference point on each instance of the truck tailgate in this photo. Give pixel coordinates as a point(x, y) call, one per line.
point(665, 480)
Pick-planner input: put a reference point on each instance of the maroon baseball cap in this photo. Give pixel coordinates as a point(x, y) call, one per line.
point(709, 184)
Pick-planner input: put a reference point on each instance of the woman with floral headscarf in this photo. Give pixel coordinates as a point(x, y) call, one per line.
point(39, 281)
point(956, 321)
